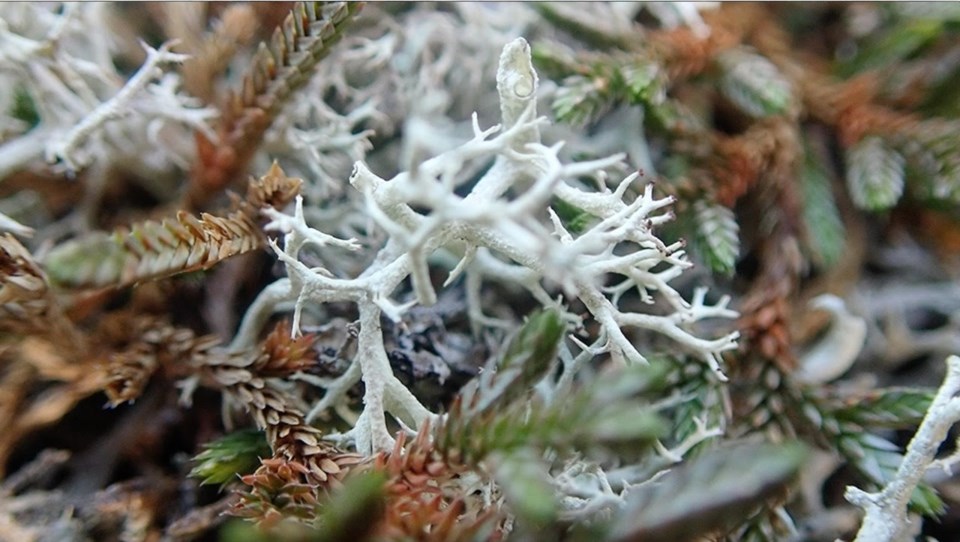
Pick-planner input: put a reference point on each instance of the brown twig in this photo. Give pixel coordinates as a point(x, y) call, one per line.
point(279, 69)
point(152, 249)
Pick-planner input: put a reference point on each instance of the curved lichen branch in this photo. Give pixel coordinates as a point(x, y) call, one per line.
point(11, 225)
point(886, 510)
point(65, 147)
point(517, 82)
point(832, 355)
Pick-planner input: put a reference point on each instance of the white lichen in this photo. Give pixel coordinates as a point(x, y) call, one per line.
point(835, 353)
point(61, 57)
point(502, 229)
point(11, 225)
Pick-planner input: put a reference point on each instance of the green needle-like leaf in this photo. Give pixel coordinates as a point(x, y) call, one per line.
point(230, 456)
point(717, 236)
point(875, 174)
point(890, 408)
point(754, 84)
point(825, 231)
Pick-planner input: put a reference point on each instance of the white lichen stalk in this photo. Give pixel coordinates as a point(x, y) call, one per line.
point(886, 510)
point(504, 230)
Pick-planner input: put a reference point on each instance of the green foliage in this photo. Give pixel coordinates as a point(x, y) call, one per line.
point(893, 45)
point(24, 108)
point(717, 236)
point(875, 174)
point(534, 348)
point(933, 163)
point(754, 83)
point(232, 455)
point(878, 459)
point(610, 413)
point(702, 404)
point(525, 361)
point(890, 408)
point(594, 85)
point(708, 492)
point(642, 83)
point(825, 231)
point(926, 501)
point(498, 424)
point(845, 422)
point(582, 100)
point(943, 98)
point(672, 117)
point(874, 456)
point(919, 41)
point(554, 60)
point(574, 219)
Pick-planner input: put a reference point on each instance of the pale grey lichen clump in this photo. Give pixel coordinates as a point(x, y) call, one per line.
point(89, 112)
point(421, 73)
point(58, 60)
point(502, 229)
